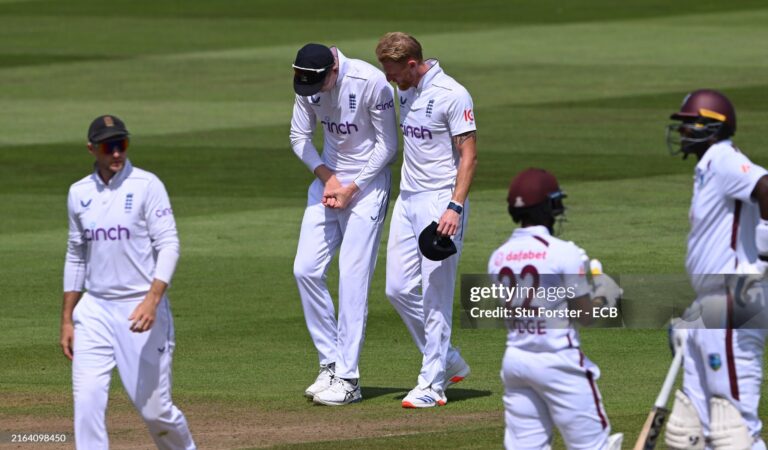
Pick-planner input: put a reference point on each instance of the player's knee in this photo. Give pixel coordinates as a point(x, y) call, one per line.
point(391, 291)
point(303, 270)
point(684, 427)
point(398, 288)
point(395, 291)
point(89, 389)
point(154, 412)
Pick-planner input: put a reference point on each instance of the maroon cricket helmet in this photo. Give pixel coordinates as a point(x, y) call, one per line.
point(707, 104)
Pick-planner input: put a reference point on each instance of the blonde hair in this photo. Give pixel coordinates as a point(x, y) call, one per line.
point(397, 46)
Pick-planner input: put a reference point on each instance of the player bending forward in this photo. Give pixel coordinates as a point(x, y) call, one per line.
point(547, 379)
point(717, 408)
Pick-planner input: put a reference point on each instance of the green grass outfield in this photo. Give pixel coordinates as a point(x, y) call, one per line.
point(581, 88)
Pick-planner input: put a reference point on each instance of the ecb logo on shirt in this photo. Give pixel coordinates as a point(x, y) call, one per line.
point(128, 202)
point(430, 105)
point(352, 102)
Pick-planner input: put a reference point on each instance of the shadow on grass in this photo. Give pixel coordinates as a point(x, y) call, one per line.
point(458, 395)
point(454, 394)
point(374, 391)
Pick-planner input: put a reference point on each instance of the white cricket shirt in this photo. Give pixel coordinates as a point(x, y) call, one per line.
point(358, 121)
point(430, 115)
point(723, 215)
point(532, 257)
point(116, 232)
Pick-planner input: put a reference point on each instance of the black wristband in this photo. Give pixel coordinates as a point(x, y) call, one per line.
point(455, 206)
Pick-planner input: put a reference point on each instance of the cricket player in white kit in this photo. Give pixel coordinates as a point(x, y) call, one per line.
point(122, 251)
point(548, 382)
point(717, 408)
point(438, 126)
point(346, 204)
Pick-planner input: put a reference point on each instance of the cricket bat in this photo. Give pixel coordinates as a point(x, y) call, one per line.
point(658, 415)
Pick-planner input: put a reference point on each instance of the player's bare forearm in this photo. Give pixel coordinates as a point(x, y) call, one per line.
point(143, 317)
point(760, 194)
point(466, 144)
point(157, 290)
point(330, 183)
point(68, 305)
point(67, 330)
point(323, 173)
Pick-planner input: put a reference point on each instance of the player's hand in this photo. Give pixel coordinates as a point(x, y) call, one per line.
point(330, 202)
point(67, 339)
point(331, 184)
point(449, 223)
point(750, 295)
point(342, 197)
point(607, 292)
point(676, 334)
point(143, 317)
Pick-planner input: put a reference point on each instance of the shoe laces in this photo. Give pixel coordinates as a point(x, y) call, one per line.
point(329, 368)
point(346, 385)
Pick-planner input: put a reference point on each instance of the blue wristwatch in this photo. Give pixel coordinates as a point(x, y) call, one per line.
point(455, 206)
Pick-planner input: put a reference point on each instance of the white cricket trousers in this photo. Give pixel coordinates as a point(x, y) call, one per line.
point(543, 390)
point(356, 232)
point(103, 340)
point(726, 363)
point(422, 290)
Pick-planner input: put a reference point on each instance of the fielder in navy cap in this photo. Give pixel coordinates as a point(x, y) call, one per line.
point(313, 64)
point(354, 106)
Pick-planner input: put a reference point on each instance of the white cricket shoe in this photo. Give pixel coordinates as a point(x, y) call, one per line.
point(456, 372)
point(424, 398)
point(322, 382)
point(341, 392)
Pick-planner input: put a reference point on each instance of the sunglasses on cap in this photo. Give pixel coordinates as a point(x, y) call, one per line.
point(113, 145)
point(310, 69)
point(309, 76)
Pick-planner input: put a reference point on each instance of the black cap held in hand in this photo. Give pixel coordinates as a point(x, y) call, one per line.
point(104, 128)
point(312, 65)
point(433, 246)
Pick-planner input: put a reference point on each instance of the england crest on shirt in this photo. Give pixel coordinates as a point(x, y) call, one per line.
point(128, 202)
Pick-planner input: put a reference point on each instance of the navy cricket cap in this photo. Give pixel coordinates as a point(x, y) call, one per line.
point(312, 65)
point(433, 246)
point(106, 127)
